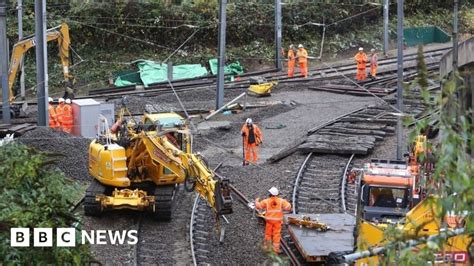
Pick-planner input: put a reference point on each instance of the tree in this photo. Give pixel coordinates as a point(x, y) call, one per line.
point(34, 194)
point(453, 173)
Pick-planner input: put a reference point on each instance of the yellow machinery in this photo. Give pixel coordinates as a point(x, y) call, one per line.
point(263, 89)
point(305, 221)
point(393, 193)
point(60, 34)
point(420, 222)
point(140, 166)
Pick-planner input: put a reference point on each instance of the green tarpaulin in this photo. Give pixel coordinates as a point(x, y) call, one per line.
point(127, 78)
point(233, 68)
point(188, 71)
point(150, 72)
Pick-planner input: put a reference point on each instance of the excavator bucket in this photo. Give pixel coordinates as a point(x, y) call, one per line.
point(223, 198)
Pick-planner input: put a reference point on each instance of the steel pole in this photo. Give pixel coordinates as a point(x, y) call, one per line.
point(4, 62)
point(278, 62)
point(20, 36)
point(385, 26)
point(221, 51)
point(41, 62)
point(400, 77)
point(455, 36)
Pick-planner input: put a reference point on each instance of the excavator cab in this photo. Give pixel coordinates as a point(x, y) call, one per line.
point(386, 190)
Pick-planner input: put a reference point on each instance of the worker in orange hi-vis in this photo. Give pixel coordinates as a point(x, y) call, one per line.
point(274, 207)
point(68, 118)
point(302, 55)
point(361, 60)
point(53, 122)
point(291, 61)
point(373, 63)
point(251, 139)
point(59, 113)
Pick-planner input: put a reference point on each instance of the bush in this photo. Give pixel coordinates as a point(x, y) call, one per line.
point(33, 194)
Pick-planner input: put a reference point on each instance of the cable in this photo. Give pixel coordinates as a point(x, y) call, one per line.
point(179, 47)
point(122, 35)
point(369, 92)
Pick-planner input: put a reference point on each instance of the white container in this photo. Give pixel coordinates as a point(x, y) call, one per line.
point(86, 114)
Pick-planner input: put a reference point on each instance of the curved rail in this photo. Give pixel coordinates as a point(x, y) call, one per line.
point(191, 229)
point(297, 180)
point(343, 184)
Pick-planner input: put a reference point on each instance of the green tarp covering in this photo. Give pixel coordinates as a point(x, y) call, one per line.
point(151, 72)
point(425, 35)
point(233, 68)
point(127, 78)
point(188, 71)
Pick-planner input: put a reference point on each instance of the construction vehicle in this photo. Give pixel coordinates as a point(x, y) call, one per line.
point(60, 34)
point(141, 165)
point(393, 193)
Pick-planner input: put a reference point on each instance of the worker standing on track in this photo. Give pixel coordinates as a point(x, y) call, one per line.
point(274, 207)
point(251, 138)
point(302, 55)
point(53, 122)
point(373, 63)
point(68, 118)
point(361, 60)
point(59, 113)
point(291, 61)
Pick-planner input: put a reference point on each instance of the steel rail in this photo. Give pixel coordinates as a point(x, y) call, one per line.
point(191, 229)
point(297, 180)
point(343, 183)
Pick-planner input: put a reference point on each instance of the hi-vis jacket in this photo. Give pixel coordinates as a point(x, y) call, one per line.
point(274, 207)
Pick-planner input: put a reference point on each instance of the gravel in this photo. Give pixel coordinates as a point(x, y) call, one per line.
point(72, 150)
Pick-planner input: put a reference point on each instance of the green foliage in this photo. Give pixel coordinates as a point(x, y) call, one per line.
point(33, 194)
point(421, 66)
point(454, 168)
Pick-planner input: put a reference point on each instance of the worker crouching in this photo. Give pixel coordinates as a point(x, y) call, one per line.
point(274, 207)
point(251, 138)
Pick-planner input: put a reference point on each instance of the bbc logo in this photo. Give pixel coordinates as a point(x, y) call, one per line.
point(42, 237)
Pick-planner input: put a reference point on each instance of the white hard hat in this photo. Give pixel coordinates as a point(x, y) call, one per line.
point(68, 100)
point(291, 46)
point(361, 49)
point(273, 191)
point(372, 50)
point(300, 45)
point(61, 100)
point(249, 121)
point(50, 99)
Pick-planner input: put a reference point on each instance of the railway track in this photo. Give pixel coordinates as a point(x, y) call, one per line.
point(320, 185)
point(163, 242)
point(330, 72)
point(200, 238)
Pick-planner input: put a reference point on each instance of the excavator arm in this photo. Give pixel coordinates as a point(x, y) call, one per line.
point(190, 169)
point(61, 34)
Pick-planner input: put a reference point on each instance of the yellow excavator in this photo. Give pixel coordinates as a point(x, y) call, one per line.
point(139, 165)
point(393, 194)
point(61, 35)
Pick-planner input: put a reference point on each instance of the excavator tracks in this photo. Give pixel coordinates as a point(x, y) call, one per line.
point(164, 198)
point(91, 206)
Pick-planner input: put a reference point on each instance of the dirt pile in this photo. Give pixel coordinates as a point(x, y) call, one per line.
point(71, 151)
